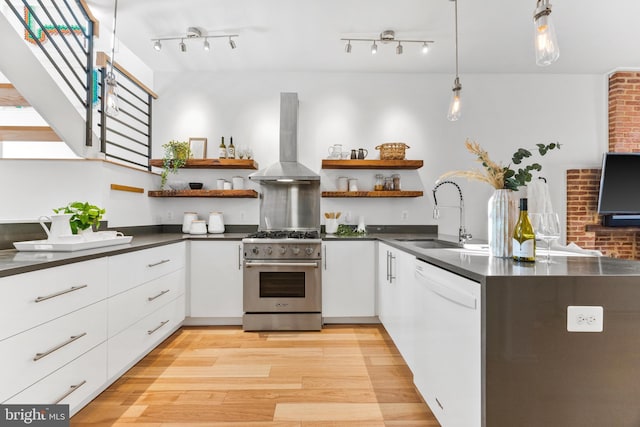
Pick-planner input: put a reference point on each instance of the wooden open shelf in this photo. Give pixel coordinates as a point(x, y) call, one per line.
point(213, 163)
point(372, 194)
point(371, 164)
point(246, 194)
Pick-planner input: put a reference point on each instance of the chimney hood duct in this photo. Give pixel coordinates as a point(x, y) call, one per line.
point(287, 169)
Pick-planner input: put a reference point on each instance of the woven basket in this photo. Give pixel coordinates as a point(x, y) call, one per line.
point(392, 150)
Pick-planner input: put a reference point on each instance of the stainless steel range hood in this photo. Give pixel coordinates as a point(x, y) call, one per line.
point(287, 169)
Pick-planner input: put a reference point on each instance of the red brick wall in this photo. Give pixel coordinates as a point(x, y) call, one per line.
point(583, 184)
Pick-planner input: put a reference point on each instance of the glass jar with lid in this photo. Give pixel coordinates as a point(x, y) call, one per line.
point(396, 181)
point(388, 183)
point(379, 184)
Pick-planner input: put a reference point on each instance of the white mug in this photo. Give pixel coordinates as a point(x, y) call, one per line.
point(353, 184)
point(227, 185)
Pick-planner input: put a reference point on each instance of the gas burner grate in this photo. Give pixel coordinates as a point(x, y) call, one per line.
point(285, 234)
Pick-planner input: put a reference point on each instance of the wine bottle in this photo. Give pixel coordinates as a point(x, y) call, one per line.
point(231, 150)
point(222, 151)
point(524, 239)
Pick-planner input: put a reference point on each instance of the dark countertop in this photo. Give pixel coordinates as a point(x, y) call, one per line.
point(477, 265)
point(472, 264)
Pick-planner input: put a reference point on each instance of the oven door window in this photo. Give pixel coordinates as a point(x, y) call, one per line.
point(282, 284)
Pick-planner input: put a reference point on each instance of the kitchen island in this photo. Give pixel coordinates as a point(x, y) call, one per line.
point(504, 336)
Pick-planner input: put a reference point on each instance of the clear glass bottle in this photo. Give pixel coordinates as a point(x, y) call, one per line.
point(379, 184)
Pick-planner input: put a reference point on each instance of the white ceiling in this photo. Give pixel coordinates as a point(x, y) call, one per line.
point(495, 36)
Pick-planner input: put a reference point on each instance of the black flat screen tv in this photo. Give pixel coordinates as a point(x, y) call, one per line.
point(619, 198)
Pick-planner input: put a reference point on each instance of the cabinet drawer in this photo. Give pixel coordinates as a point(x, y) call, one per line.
point(31, 355)
point(128, 307)
point(134, 268)
point(31, 299)
point(73, 384)
point(129, 345)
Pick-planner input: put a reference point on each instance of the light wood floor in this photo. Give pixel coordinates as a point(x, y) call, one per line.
point(221, 376)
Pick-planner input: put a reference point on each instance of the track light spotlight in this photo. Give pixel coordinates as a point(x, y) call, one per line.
point(232, 43)
point(374, 48)
point(157, 45)
point(347, 47)
point(206, 46)
point(425, 48)
point(399, 49)
point(183, 47)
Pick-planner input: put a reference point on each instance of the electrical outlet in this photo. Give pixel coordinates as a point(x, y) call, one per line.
point(404, 215)
point(582, 318)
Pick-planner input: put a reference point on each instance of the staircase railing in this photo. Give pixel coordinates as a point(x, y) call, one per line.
point(66, 40)
point(127, 136)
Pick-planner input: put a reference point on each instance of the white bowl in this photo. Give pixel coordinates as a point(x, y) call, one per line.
point(178, 185)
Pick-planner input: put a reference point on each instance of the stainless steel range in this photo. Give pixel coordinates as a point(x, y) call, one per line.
point(282, 281)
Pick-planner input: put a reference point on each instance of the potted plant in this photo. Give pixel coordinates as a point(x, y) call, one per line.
point(83, 215)
point(176, 154)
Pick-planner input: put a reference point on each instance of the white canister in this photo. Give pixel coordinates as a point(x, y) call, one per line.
point(353, 184)
point(216, 222)
point(187, 219)
point(220, 184)
point(343, 183)
point(199, 226)
point(226, 185)
point(238, 183)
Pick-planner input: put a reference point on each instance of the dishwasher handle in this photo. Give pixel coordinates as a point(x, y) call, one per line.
point(456, 296)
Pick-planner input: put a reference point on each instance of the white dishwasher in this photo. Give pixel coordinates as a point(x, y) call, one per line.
point(448, 350)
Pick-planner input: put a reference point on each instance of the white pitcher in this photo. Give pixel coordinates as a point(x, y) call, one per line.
point(60, 226)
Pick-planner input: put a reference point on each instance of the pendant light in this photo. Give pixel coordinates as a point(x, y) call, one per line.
point(454, 105)
point(111, 107)
point(546, 43)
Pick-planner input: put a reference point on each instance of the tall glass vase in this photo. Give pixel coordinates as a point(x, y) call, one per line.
point(502, 210)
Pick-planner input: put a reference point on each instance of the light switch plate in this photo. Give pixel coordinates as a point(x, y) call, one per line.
point(585, 318)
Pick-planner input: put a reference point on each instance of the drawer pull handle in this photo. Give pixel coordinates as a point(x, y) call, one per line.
point(159, 295)
point(158, 263)
point(57, 294)
point(71, 390)
point(71, 339)
point(157, 327)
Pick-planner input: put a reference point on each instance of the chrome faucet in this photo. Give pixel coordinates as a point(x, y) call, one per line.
point(463, 236)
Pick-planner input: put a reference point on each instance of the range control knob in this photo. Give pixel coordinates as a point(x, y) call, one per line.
point(295, 250)
point(283, 250)
point(309, 250)
point(255, 250)
point(268, 250)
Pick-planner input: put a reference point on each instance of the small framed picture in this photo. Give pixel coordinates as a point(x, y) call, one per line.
point(198, 148)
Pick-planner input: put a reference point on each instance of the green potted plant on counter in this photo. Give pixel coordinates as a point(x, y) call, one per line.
point(84, 216)
point(176, 154)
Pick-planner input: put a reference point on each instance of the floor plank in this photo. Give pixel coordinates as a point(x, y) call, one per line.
point(342, 376)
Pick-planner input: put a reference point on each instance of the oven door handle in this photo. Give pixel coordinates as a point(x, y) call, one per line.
point(281, 264)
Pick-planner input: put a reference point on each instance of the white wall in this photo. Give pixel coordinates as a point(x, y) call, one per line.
point(501, 112)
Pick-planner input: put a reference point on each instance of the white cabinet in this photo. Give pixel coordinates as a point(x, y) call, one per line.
point(448, 347)
point(395, 296)
point(348, 279)
point(216, 282)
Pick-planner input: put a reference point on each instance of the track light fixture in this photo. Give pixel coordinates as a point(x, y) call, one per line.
point(454, 105)
point(194, 33)
point(387, 36)
point(546, 43)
